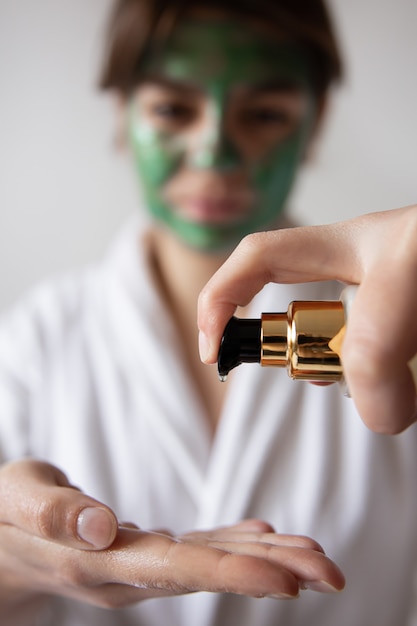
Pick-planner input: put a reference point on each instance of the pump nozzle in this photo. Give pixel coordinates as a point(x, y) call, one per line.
point(241, 343)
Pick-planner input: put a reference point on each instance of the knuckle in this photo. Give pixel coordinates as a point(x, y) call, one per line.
point(406, 249)
point(204, 297)
point(47, 518)
point(259, 525)
point(410, 225)
point(252, 244)
point(252, 251)
point(308, 543)
point(54, 521)
point(404, 230)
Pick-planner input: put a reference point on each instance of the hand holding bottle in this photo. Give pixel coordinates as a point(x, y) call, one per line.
point(378, 251)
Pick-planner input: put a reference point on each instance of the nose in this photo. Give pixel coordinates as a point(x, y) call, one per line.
point(213, 149)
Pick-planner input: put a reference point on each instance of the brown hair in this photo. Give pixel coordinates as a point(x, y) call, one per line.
point(136, 26)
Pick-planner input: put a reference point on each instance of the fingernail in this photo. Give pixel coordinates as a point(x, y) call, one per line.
point(283, 596)
point(96, 526)
point(319, 585)
point(204, 346)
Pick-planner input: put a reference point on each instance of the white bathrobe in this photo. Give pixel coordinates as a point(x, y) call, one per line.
point(92, 380)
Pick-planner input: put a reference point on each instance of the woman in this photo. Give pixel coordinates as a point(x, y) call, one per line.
point(100, 375)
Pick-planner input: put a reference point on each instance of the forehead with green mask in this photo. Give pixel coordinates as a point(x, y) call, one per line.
point(218, 59)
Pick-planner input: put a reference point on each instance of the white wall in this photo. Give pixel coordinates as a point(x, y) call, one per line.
point(63, 189)
point(367, 159)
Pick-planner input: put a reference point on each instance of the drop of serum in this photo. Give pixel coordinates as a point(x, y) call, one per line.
point(222, 378)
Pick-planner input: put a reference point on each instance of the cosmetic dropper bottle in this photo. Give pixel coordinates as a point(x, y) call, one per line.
point(307, 340)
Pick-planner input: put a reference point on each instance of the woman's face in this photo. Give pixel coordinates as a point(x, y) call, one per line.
point(218, 127)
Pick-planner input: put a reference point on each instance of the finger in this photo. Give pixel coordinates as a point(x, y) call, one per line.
point(283, 256)
point(240, 534)
point(247, 525)
point(266, 532)
point(309, 566)
point(128, 525)
point(163, 531)
point(37, 498)
point(381, 338)
point(252, 525)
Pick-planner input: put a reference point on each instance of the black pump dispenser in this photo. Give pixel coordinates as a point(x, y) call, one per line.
point(241, 343)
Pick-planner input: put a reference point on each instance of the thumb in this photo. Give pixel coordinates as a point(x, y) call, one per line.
point(38, 498)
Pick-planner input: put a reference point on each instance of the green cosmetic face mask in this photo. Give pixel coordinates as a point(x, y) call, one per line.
point(215, 57)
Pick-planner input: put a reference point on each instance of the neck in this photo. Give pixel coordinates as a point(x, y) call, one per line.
point(181, 272)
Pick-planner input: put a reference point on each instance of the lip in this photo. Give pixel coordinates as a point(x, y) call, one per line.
point(213, 210)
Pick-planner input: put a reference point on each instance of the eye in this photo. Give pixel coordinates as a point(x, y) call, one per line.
point(263, 115)
point(167, 109)
point(171, 115)
point(172, 110)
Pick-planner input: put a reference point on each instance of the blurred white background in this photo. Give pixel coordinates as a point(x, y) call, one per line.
point(64, 189)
